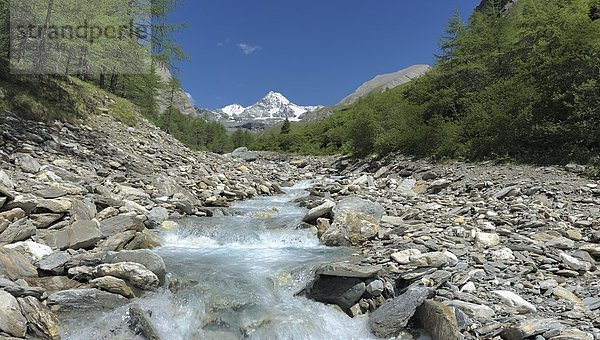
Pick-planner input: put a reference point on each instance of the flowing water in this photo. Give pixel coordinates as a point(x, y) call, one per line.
point(237, 277)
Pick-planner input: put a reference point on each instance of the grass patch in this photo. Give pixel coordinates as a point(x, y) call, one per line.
point(48, 98)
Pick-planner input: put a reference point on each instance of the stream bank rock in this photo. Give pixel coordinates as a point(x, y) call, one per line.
point(345, 284)
point(41, 321)
point(355, 221)
point(392, 318)
point(12, 321)
point(80, 300)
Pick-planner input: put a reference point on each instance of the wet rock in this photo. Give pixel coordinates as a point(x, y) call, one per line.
point(79, 300)
point(515, 301)
point(41, 321)
point(350, 270)
point(134, 273)
point(318, 212)
point(12, 321)
point(15, 266)
point(479, 312)
point(85, 258)
point(438, 320)
point(140, 323)
point(344, 292)
point(530, 328)
point(393, 316)
point(114, 285)
point(147, 258)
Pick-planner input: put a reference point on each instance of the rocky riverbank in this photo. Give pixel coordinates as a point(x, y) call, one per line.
point(81, 205)
point(461, 250)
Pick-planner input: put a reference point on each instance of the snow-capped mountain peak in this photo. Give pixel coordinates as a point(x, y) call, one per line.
point(276, 97)
point(274, 106)
point(233, 110)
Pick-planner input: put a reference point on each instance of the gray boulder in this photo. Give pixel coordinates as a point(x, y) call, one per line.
point(318, 212)
point(158, 214)
point(43, 221)
point(136, 274)
point(117, 242)
point(114, 285)
point(15, 266)
point(18, 231)
point(140, 322)
point(391, 318)
point(79, 235)
point(42, 322)
point(347, 269)
point(27, 163)
point(355, 221)
point(54, 262)
point(530, 328)
point(17, 290)
point(245, 154)
point(76, 300)
point(438, 320)
point(147, 258)
point(6, 181)
point(119, 224)
point(344, 292)
point(12, 321)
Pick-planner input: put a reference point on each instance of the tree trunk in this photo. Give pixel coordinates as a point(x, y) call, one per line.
point(42, 47)
point(102, 80)
point(114, 78)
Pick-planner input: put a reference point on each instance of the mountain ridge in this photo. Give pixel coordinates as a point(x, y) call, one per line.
point(272, 108)
point(384, 82)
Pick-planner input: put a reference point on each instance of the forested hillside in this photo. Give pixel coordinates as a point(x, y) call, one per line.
point(521, 84)
point(90, 86)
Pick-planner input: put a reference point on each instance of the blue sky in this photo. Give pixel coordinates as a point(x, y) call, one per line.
point(315, 52)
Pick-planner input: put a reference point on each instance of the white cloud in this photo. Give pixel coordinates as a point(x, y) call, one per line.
point(223, 43)
point(249, 49)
